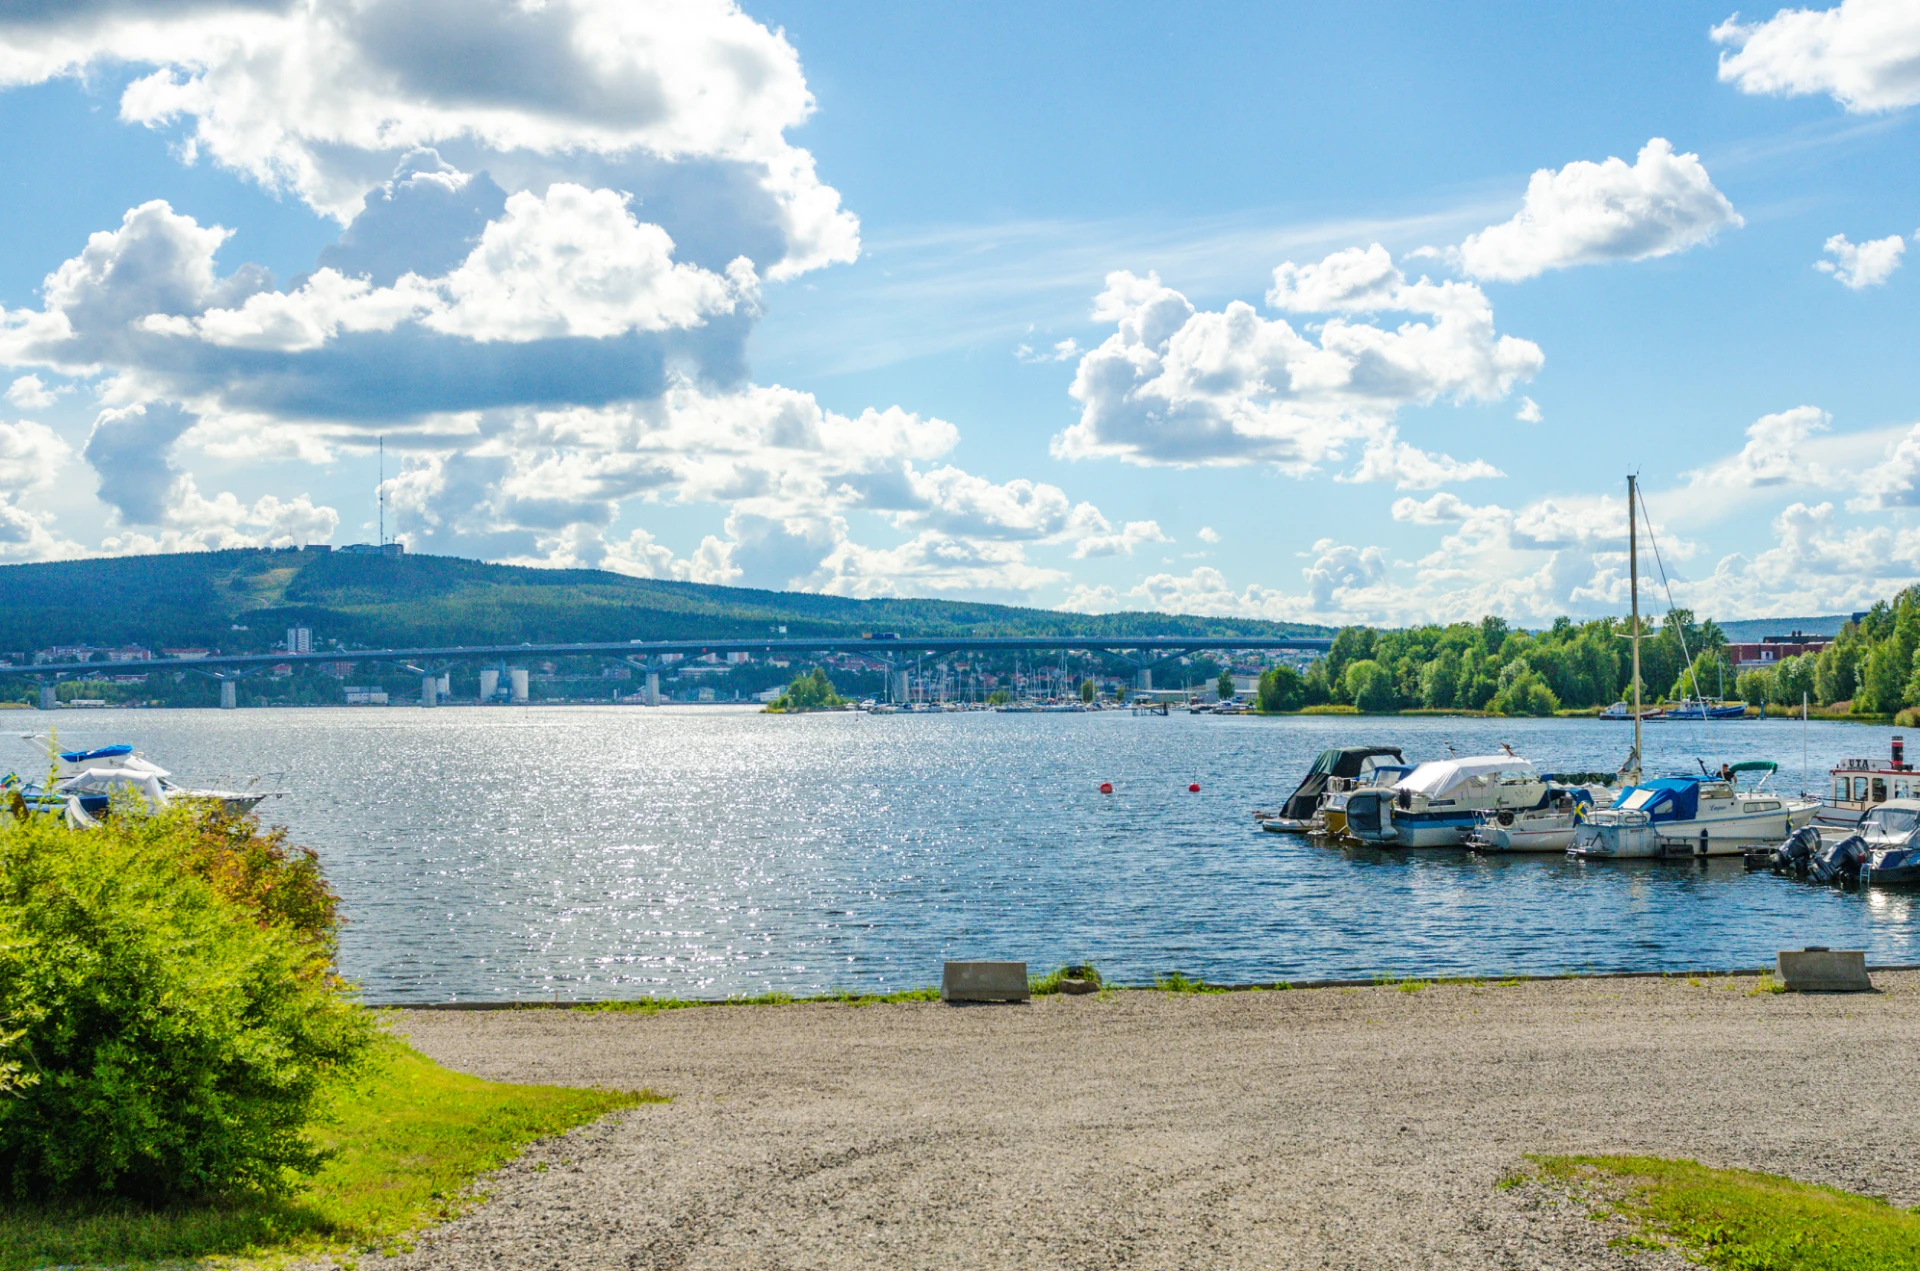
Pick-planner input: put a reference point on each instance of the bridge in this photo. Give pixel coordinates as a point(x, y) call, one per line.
point(891, 650)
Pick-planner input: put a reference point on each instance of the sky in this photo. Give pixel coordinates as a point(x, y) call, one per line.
point(1305, 312)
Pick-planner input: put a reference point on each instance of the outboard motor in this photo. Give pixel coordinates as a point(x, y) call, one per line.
point(1792, 856)
point(1840, 864)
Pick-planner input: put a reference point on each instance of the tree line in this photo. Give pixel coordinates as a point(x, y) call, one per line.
point(1490, 666)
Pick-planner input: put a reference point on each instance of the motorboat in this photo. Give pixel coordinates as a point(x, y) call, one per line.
point(1437, 804)
point(1702, 709)
point(1347, 764)
point(1860, 785)
point(1622, 711)
point(1703, 814)
point(1892, 842)
point(1547, 828)
point(1330, 820)
point(83, 783)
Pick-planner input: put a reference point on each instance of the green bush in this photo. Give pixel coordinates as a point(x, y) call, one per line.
point(811, 692)
point(1282, 689)
point(179, 1022)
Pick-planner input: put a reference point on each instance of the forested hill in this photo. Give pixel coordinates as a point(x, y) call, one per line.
point(198, 598)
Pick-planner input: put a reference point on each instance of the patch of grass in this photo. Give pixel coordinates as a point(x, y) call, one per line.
point(1767, 984)
point(406, 1142)
point(1175, 982)
point(1043, 985)
point(1411, 986)
point(653, 1005)
point(1747, 1221)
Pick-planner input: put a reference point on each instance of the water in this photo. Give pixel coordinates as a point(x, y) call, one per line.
point(690, 851)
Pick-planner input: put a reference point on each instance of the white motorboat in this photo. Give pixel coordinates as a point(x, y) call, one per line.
point(1340, 769)
point(1694, 815)
point(1437, 804)
point(1548, 828)
point(86, 780)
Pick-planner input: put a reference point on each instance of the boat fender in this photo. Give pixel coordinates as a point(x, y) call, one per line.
point(1506, 816)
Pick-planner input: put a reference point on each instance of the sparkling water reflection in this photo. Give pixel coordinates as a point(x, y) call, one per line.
point(617, 852)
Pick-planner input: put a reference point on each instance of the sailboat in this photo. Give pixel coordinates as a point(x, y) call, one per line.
point(1688, 814)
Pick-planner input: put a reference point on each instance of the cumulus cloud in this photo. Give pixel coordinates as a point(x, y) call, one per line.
point(1529, 412)
point(1062, 351)
point(1865, 54)
point(1208, 534)
point(130, 449)
point(1177, 385)
point(1595, 213)
point(29, 392)
point(1857, 266)
point(320, 98)
point(1121, 542)
point(1895, 481)
point(1772, 454)
point(31, 456)
point(1387, 458)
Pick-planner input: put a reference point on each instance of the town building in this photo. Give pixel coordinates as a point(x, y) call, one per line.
point(1772, 649)
point(299, 639)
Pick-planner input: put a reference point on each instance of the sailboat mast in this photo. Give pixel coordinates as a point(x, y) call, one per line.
point(1633, 585)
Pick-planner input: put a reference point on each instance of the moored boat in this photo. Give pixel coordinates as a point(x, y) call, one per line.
point(1338, 763)
point(1437, 804)
point(1702, 814)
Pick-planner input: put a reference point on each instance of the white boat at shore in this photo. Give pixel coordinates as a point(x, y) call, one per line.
point(86, 781)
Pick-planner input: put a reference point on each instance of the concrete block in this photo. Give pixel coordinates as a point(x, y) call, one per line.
point(984, 982)
point(1824, 971)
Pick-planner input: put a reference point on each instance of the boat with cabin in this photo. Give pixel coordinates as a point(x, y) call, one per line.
point(82, 783)
point(1694, 814)
point(1437, 804)
point(1344, 764)
point(1857, 786)
point(1547, 828)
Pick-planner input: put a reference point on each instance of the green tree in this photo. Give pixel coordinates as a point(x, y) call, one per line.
point(1703, 679)
point(810, 692)
point(1087, 691)
point(1370, 686)
point(1884, 680)
point(1793, 681)
point(1525, 694)
point(1439, 680)
point(1836, 673)
point(1756, 685)
point(1224, 685)
point(1282, 689)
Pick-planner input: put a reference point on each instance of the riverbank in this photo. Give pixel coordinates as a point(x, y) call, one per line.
point(1336, 1127)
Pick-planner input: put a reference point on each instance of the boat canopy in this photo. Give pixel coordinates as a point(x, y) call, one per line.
point(1756, 765)
point(104, 752)
point(1440, 776)
point(1664, 799)
point(1337, 761)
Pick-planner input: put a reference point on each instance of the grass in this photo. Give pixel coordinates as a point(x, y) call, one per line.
point(1044, 985)
point(1175, 982)
point(653, 1005)
point(1747, 1221)
point(407, 1141)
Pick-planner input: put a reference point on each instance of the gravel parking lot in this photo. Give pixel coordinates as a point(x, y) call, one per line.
point(1359, 1128)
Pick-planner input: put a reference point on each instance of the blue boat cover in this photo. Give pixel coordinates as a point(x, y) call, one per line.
point(105, 752)
point(1664, 799)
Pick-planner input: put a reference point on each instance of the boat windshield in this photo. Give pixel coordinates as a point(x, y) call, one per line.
point(1637, 800)
point(1891, 822)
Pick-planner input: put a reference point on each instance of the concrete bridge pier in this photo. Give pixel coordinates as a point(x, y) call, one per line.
point(229, 696)
point(653, 688)
point(897, 686)
point(1143, 679)
point(429, 689)
point(49, 696)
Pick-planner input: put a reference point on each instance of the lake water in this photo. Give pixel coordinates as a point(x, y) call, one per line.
point(596, 852)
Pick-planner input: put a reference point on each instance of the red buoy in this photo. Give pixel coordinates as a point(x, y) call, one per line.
point(1106, 787)
point(1194, 788)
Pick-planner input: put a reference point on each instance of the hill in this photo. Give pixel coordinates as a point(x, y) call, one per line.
point(1753, 630)
point(243, 601)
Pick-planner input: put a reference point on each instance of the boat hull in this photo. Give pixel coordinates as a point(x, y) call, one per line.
point(1725, 836)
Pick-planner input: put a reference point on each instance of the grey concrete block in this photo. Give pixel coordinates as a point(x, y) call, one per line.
point(984, 982)
point(1824, 971)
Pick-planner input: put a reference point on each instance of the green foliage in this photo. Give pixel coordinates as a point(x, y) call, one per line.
point(1049, 984)
point(1524, 693)
point(1282, 689)
point(812, 691)
point(1224, 685)
point(999, 697)
point(1706, 677)
point(1175, 982)
point(404, 1141)
point(170, 976)
point(1369, 686)
point(1744, 1220)
point(1088, 692)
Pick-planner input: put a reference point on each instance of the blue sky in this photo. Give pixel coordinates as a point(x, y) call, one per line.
point(1308, 312)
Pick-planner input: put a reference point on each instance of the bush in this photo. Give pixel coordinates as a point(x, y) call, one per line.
point(1282, 689)
point(170, 976)
point(1525, 694)
point(812, 692)
point(1370, 687)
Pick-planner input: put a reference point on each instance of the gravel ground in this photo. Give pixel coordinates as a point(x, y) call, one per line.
point(1359, 1128)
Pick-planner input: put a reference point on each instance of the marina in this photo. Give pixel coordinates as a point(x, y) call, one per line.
point(596, 852)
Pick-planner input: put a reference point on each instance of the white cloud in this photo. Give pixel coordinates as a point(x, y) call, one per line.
point(1387, 458)
point(1529, 412)
point(28, 392)
point(1062, 351)
point(1862, 265)
point(1208, 534)
point(31, 456)
point(1772, 455)
point(1594, 213)
point(1895, 481)
point(1864, 53)
point(1174, 385)
point(321, 97)
point(192, 522)
point(1122, 543)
